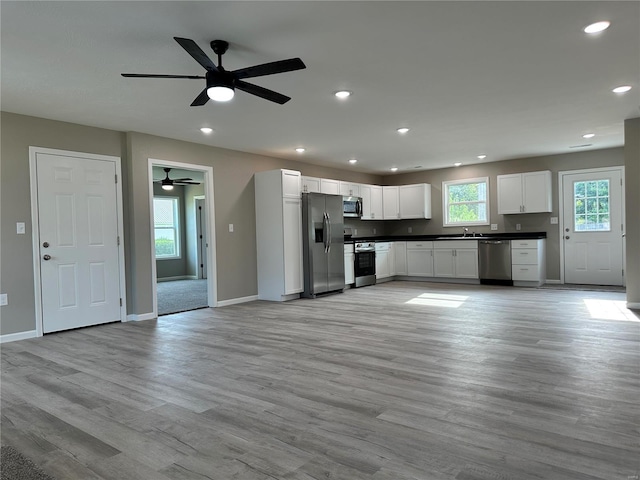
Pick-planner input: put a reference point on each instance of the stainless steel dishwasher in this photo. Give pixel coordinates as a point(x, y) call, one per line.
point(495, 262)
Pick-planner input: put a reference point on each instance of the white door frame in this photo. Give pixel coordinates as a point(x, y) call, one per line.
point(198, 259)
point(561, 176)
point(35, 228)
point(212, 277)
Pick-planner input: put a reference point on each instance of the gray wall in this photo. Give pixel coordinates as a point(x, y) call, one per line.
point(234, 203)
point(534, 222)
point(632, 200)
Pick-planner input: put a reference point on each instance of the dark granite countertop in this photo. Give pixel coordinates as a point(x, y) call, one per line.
point(485, 236)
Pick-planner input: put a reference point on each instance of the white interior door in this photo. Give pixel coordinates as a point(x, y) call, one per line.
point(78, 241)
point(592, 230)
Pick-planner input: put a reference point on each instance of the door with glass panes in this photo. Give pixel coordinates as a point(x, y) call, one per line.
point(592, 230)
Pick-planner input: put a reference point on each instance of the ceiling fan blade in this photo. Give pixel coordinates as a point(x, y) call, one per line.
point(182, 179)
point(196, 52)
point(185, 183)
point(153, 75)
point(271, 68)
point(200, 99)
point(262, 92)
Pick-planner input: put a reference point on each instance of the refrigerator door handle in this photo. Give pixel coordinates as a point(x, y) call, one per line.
point(329, 236)
point(325, 231)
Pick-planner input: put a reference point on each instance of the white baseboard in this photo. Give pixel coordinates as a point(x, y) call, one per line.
point(180, 277)
point(143, 316)
point(14, 337)
point(633, 305)
point(553, 282)
point(235, 301)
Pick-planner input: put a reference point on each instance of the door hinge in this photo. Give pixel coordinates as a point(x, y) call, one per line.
point(118, 240)
point(623, 272)
point(120, 302)
point(116, 178)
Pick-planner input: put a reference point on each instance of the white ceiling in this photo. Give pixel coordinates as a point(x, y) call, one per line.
point(508, 79)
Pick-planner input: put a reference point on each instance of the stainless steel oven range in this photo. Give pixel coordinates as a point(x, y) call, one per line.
point(365, 266)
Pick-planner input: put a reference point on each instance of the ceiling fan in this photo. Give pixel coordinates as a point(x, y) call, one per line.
point(168, 183)
point(220, 83)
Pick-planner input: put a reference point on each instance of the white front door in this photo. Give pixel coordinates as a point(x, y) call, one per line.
point(77, 219)
point(592, 230)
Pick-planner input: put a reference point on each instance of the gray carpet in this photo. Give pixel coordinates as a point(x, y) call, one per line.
point(181, 295)
point(15, 466)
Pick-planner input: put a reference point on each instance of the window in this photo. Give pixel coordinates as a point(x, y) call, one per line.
point(591, 206)
point(166, 226)
point(465, 202)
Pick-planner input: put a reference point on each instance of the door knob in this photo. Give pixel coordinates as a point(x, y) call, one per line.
point(567, 237)
point(47, 257)
point(45, 244)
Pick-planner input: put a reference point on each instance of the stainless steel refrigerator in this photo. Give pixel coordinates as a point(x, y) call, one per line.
point(322, 243)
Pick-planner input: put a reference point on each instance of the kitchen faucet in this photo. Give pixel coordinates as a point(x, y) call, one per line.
point(465, 230)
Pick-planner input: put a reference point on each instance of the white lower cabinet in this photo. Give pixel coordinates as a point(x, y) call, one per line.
point(349, 264)
point(420, 259)
point(382, 260)
point(455, 259)
point(400, 250)
point(528, 262)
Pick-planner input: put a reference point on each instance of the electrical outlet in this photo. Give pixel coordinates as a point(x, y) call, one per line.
point(518, 226)
point(494, 226)
point(355, 232)
point(3, 299)
point(231, 228)
point(554, 220)
point(20, 228)
point(410, 230)
point(374, 231)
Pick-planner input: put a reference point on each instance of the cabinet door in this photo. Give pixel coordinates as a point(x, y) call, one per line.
point(365, 193)
point(509, 194)
point(420, 262)
point(291, 184)
point(349, 189)
point(292, 230)
point(382, 264)
point(310, 185)
point(536, 196)
point(391, 260)
point(401, 258)
point(390, 203)
point(376, 202)
point(466, 261)
point(332, 187)
point(415, 201)
point(349, 268)
point(443, 263)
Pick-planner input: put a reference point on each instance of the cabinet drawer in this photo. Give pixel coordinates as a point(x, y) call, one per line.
point(526, 273)
point(382, 246)
point(524, 244)
point(419, 245)
point(524, 256)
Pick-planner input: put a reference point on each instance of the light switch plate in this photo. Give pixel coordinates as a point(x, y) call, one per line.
point(410, 230)
point(518, 226)
point(231, 228)
point(554, 220)
point(3, 299)
point(494, 226)
point(374, 231)
point(20, 228)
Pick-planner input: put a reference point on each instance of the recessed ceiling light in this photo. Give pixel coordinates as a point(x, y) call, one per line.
point(343, 94)
point(206, 130)
point(622, 89)
point(402, 130)
point(596, 27)
point(300, 150)
point(394, 169)
point(353, 160)
point(457, 164)
point(482, 157)
point(588, 135)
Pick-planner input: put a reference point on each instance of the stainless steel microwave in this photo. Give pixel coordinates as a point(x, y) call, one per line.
point(352, 207)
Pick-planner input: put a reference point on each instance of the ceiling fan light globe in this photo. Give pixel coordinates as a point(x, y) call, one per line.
point(167, 187)
point(220, 93)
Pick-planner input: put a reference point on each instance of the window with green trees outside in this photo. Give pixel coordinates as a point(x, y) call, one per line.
point(591, 206)
point(165, 222)
point(465, 202)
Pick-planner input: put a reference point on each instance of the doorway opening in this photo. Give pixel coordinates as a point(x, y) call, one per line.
point(183, 246)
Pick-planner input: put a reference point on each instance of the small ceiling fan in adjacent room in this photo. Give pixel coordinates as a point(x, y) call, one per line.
point(220, 83)
point(168, 183)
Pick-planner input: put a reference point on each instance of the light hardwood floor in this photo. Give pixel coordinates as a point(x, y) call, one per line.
point(396, 381)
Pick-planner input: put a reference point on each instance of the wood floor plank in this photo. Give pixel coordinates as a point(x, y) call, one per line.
point(402, 381)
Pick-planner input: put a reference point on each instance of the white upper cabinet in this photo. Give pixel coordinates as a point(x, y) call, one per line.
point(371, 202)
point(348, 189)
point(415, 201)
point(390, 203)
point(310, 185)
point(524, 193)
point(332, 187)
point(291, 183)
